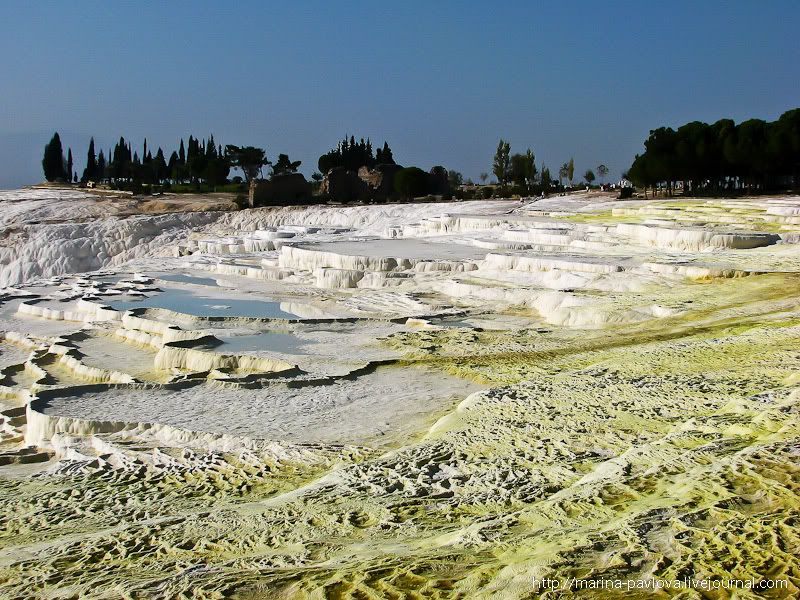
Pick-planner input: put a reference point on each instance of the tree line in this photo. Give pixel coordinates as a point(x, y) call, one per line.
point(349, 156)
point(204, 162)
point(750, 157)
point(352, 155)
point(198, 162)
point(520, 173)
point(56, 166)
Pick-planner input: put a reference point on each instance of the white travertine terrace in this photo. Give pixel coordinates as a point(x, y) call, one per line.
point(453, 399)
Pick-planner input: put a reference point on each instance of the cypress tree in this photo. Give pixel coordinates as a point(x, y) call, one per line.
point(69, 165)
point(181, 154)
point(53, 160)
point(160, 166)
point(90, 173)
point(385, 155)
point(100, 173)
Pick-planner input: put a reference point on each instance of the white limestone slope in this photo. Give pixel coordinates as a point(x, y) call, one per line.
point(641, 420)
point(55, 232)
point(48, 233)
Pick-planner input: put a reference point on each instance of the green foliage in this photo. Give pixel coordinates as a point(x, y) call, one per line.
point(454, 179)
point(530, 167)
point(602, 171)
point(158, 167)
point(69, 165)
point(53, 160)
point(247, 158)
point(384, 155)
point(202, 188)
point(101, 167)
point(284, 166)
point(589, 176)
point(250, 160)
point(523, 169)
point(501, 166)
point(353, 155)
point(90, 173)
point(411, 182)
point(217, 169)
point(546, 179)
point(752, 156)
point(562, 173)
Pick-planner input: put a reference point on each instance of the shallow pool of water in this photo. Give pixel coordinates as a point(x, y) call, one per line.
point(184, 301)
point(266, 341)
point(183, 278)
point(452, 323)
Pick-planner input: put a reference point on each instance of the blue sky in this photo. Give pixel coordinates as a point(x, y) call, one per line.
point(440, 81)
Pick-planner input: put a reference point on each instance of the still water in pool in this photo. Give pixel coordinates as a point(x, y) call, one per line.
point(270, 341)
point(183, 278)
point(186, 302)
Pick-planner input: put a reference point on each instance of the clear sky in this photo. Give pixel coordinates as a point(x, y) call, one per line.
point(441, 81)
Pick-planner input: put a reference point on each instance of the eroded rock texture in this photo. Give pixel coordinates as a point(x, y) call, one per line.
point(410, 401)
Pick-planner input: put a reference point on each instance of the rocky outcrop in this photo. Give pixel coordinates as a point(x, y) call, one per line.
point(376, 183)
point(379, 180)
point(342, 185)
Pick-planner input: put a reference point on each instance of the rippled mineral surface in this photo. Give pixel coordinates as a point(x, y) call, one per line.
point(404, 401)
